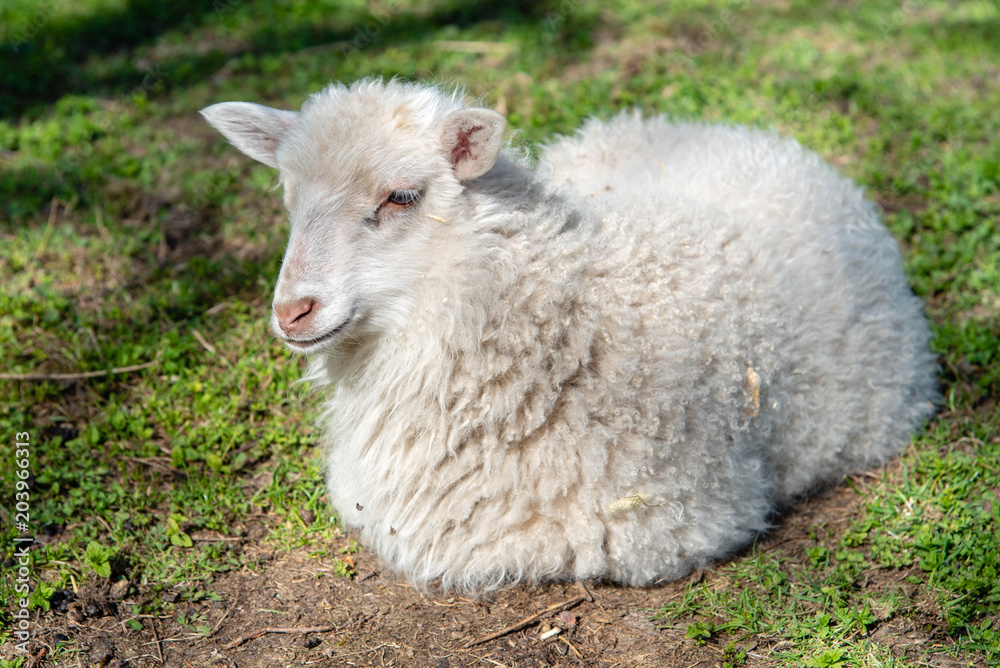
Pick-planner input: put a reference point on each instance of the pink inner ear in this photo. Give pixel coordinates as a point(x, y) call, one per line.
point(462, 150)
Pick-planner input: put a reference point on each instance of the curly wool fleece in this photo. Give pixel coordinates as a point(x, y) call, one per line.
point(615, 364)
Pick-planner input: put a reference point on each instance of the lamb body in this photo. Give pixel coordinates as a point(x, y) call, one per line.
point(616, 364)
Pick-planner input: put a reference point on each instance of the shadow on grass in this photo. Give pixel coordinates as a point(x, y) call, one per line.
point(93, 53)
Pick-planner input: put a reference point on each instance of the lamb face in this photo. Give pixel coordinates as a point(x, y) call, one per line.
point(358, 227)
point(370, 182)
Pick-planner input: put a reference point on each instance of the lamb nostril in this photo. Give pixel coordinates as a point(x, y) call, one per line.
point(295, 316)
point(309, 309)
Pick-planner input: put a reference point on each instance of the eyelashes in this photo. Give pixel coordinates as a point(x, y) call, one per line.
point(395, 201)
point(403, 197)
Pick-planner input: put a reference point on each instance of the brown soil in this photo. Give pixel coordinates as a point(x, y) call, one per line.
point(375, 619)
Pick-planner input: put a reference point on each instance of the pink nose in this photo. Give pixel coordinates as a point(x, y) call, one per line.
point(296, 317)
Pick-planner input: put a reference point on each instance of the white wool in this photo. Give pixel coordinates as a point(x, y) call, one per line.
point(617, 364)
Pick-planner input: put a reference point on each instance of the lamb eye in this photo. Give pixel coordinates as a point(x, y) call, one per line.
point(402, 197)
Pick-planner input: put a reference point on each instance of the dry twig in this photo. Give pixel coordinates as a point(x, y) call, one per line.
point(222, 619)
point(473, 47)
point(37, 658)
point(575, 650)
point(586, 592)
point(527, 621)
point(204, 343)
point(279, 629)
point(159, 645)
point(76, 376)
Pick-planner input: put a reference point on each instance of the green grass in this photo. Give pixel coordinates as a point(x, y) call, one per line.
point(934, 525)
point(132, 235)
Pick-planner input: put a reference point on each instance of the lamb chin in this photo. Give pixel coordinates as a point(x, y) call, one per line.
point(323, 341)
point(298, 347)
point(313, 345)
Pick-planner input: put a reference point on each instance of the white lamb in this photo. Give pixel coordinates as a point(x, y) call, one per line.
point(615, 365)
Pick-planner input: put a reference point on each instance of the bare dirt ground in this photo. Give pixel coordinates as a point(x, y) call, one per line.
point(373, 618)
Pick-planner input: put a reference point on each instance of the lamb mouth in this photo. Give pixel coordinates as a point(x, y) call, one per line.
point(305, 345)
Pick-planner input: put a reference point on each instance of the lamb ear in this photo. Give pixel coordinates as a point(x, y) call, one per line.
point(472, 139)
point(252, 128)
